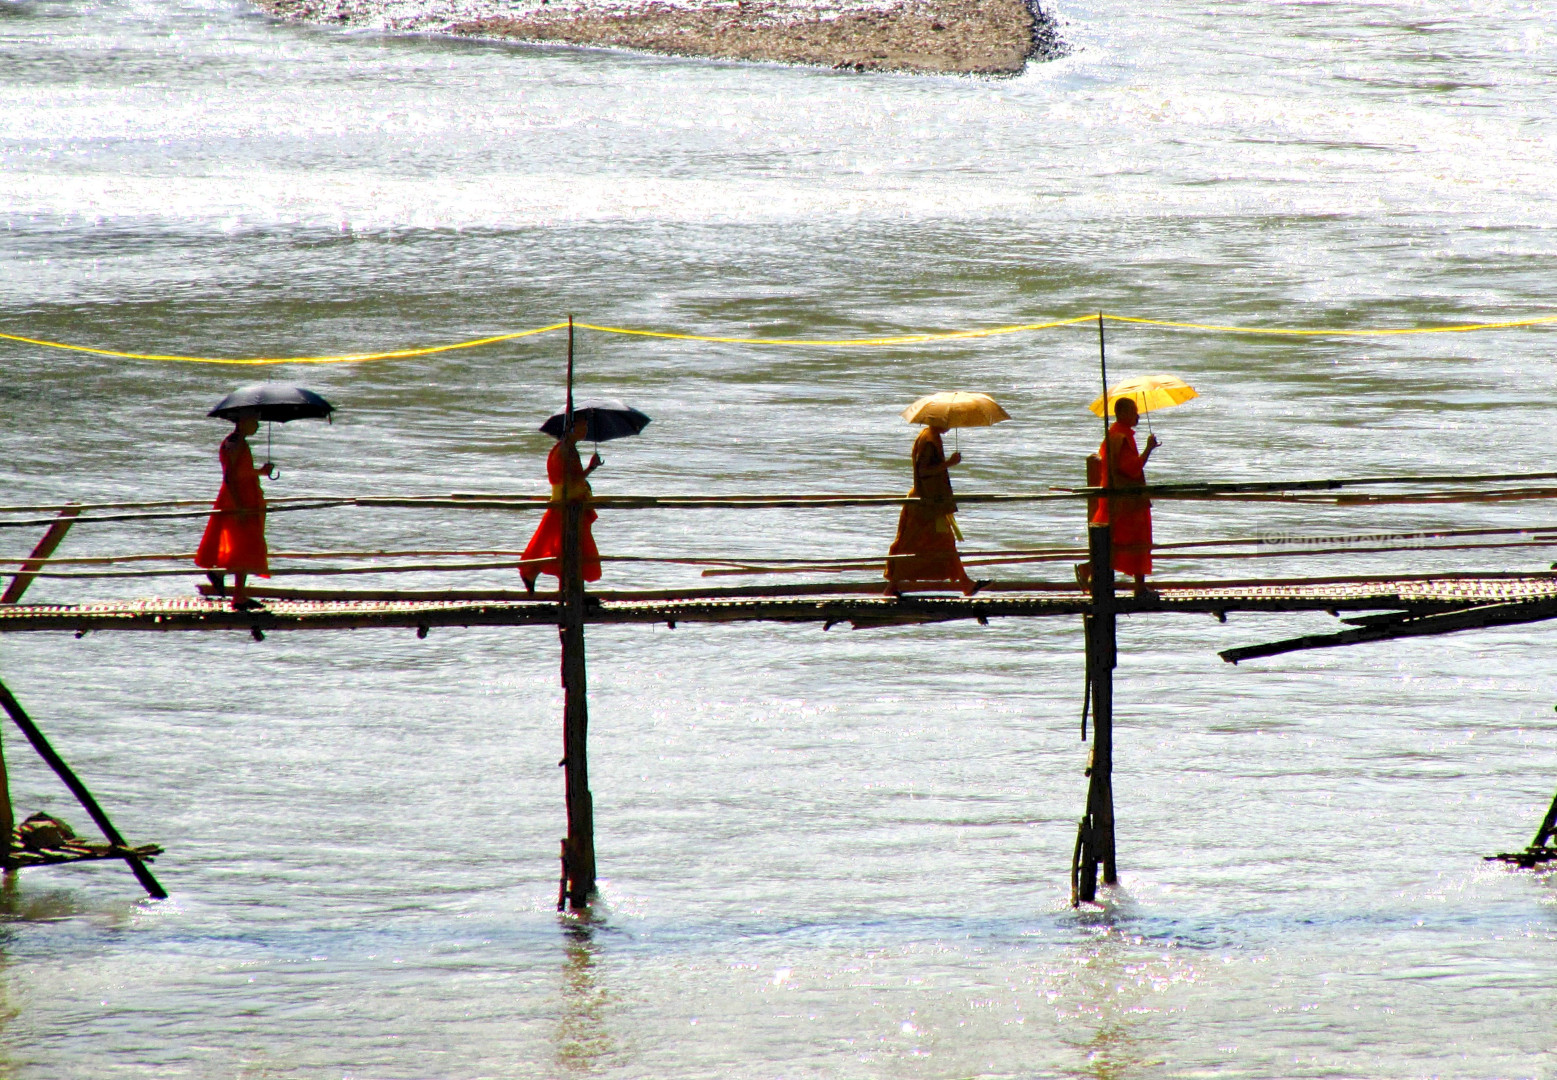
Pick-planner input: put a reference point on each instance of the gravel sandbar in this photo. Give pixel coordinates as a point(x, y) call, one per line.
point(963, 37)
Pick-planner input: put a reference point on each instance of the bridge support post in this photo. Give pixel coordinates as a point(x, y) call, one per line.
point(1095, 835)
point(578, 849)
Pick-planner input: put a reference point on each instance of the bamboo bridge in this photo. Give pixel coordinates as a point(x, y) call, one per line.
point(1371, 607)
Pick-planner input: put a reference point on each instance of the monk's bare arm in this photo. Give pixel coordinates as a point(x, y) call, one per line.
point(939, 467)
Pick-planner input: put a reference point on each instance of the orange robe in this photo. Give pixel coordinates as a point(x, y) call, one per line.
point(1130, 515)
point(234, 537)
point(566, 474)
point(924, 528)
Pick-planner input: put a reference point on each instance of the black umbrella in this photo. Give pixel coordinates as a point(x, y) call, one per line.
point(277, 402)
point(272, 402)
point(608, 419)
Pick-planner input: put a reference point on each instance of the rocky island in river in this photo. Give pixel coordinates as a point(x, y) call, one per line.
point(961, 37)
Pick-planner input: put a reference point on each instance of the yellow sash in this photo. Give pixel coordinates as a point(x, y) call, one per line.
point(560, 492)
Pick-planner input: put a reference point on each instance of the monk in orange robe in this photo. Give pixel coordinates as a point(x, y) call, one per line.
point(234, 537)
point(926, 542)
point(569, 480)
point(1124, 467)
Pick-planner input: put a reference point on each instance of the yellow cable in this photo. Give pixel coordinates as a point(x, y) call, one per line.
point(904, 339)
point(348, 358)
point(1460, 329)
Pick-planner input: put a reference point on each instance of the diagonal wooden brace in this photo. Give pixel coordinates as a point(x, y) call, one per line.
point(51, 540)
point(79, 790)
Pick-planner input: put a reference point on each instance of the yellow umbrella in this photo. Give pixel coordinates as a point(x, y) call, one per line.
point(956, 409)
point(1149, 392)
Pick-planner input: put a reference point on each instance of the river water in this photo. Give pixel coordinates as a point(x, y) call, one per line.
point(838, 854)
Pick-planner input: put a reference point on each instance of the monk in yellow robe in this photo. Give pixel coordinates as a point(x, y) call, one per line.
point(924, 554)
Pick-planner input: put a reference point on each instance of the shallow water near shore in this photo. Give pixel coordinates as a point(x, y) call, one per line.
point(838, 854)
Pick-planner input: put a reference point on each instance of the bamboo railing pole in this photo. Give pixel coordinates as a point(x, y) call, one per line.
point(14, 709)
point(1299, 542)
point(1231, 492)
point(507, 500)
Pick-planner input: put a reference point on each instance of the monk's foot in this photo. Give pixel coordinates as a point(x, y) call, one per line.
point(218, 583)
point(1142, 592)
point(1084, 574)
point(891, 590)
point(529, 584)
point(245, 603)
point(973, 588)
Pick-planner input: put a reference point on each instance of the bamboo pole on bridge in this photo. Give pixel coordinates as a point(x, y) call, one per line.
point(1095, 834)
point(577, 887)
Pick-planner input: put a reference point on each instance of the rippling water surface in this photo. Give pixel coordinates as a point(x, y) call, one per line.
point(836, 854)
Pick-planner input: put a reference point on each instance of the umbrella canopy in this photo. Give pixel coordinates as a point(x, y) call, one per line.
point(275, 402)
point(608, 419)
point(955, 409)
point(1149, 392)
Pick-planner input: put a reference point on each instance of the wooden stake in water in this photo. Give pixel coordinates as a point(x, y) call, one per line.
point(578, 859)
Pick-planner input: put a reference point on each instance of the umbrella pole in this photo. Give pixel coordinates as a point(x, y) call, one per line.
point(578, 849)
point(1102, 363)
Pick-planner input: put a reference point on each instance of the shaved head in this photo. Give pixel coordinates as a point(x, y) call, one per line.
point(1125, 407)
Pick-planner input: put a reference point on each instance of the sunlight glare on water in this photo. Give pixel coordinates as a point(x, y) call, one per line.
point(836, 854)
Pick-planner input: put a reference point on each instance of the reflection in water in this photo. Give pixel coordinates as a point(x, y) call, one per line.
point(582, 1041)
point(16, 907)
point(33, 905)
point(30, 904)
point(1109, 978)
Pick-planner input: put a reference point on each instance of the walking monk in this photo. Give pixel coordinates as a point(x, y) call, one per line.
point(569, 480)
point(1124, 467)
point(925, 549)
point(234, 537)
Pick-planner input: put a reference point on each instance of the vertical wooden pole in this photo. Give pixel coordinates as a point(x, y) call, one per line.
point(1096, 833)
point(78, 789)
point(7, 817)
point(579, 847)
point(51, 540)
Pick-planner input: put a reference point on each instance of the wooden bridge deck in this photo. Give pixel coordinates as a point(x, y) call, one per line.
point(857, 603)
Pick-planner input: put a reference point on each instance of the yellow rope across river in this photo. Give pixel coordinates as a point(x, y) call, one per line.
point(880, 341)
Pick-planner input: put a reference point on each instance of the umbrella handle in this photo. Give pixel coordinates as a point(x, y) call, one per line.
point(275, 473)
